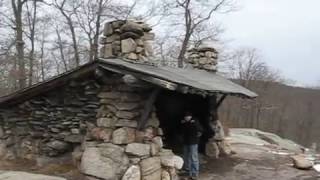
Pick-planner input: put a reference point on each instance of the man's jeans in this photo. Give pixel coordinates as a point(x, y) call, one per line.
point(191, 160)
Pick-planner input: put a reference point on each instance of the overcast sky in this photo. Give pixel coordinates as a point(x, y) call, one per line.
point(287, 32)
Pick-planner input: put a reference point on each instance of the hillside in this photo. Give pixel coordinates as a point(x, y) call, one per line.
point(291, 112)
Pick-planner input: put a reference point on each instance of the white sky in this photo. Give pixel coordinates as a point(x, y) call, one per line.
point(287, 32)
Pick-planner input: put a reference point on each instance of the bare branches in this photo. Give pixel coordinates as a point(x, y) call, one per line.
point(196, 15)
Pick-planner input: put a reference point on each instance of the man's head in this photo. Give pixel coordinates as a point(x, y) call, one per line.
point(188, 116)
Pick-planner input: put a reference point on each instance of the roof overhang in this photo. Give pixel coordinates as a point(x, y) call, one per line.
point(166, 77)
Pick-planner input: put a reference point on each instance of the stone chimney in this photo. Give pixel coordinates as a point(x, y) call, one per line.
point(203, 57)
point(127, 39)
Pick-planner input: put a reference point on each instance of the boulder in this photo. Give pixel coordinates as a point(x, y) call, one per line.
point(300, 162)
point(219, 131)
point(165, 175)
point(148, 36)
point(155, 149)
point(172, 161)
point(1, 132)
point(127, 114)
point(138, 149)
point(94, 164)
point(113, 38)
point(224, 148)
point(123, 135)
point(132, 173)
point(107, 161)
point(128, 45)
point(107, 51)
point(127, 106)
point(212, 149)
point(153, 176)
point(105, 122)
point(148, 48)
point(126, 123)
point(108, 30)
point(127, 35)
point(150, 166)
point(105, 135)
point(132, 56)
point(158, 140)
point(74, 138)
point(132, 27)
point(59, 145)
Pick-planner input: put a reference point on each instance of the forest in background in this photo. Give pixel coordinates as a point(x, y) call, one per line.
point(43, 38)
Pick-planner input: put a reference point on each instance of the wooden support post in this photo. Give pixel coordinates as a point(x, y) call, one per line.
point(220, 101)
point(148, 108)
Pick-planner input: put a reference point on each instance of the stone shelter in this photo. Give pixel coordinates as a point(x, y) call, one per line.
point(118, 116)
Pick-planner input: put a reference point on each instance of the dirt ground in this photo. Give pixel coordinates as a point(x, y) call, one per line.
point(254, 163)
point(67, 171)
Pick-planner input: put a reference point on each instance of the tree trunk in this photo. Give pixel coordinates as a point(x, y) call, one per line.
point(32, 35)
point(17, 9)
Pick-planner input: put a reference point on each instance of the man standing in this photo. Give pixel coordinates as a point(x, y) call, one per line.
point(191, 133)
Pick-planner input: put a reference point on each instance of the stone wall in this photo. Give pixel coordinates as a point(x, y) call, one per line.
point(128, 39)
point(98, 123)
point(116, 149)
point(50, 124)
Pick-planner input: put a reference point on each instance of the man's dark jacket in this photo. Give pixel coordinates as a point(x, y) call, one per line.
point(190, 130)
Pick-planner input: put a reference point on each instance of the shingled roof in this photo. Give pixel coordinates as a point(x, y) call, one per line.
point(166, 77)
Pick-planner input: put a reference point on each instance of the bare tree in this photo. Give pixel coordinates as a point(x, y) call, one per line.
point(196, 14)
point(17, 6)
point(69, 14)
point(31, 20)
point(89, 19)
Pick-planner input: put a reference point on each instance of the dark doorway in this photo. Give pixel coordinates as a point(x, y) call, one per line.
point(171, 107)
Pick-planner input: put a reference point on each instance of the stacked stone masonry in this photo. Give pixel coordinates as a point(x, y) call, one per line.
point(116, 149)
point(128, 39)
point(203, 57)
point(97, 122)
point(49, 124)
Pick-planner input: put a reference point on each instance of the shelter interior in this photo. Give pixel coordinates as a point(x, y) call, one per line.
point(171, 107)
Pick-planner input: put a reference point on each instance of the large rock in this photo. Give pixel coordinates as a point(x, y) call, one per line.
point(107, 51)
point(1, 132)
point(153, 176)
point(172, 161)
point(107, 161)
point(59, 145)
point(158, 140)
point(123, 135)
point(300, 162)
point(150, 166)
point(103, 134)
point(133, 173)
point(128, 45)
point(212, 149)
point(108, 30)
point(219, 131)
point(105, 122)
point(126, 123)
point(74, 138)
point(165, 175)
point(127, 114)
point(138, 149)
point(132, 27)
point(18, 175)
